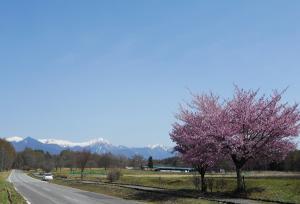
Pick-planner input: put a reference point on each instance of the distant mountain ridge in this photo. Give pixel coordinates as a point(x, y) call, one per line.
point(98, 145)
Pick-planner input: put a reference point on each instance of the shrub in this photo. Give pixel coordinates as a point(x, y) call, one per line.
point(47, 166)
point(114, 175)
point(160, 181)
point(221, 184)
point(210, 183)
point(62, 176)
point(196, 181)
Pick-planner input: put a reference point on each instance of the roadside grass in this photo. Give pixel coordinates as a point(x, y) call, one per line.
point(274, 186)
point(8, 194)
point(131, 194)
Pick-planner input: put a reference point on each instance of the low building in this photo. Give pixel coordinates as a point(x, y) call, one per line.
point(173, 169)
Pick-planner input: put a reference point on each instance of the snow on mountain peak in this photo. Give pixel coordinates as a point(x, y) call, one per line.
point(14, 139)
point(66, 143)
point(63, 143)
point(158, 146)
point(97, 141)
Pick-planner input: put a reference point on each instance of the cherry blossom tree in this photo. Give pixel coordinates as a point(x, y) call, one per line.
point(246, 127)
point(192, 134)
point(258, 127)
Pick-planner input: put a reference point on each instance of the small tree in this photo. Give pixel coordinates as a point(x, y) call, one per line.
point(57, 162)
point(68, 159)
point(114, 175)
point(150, 162)
point(106, 160)
point(136, 161)
point(82, 158)
point(47, 165)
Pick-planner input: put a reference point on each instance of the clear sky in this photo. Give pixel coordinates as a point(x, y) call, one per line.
point(79, 70)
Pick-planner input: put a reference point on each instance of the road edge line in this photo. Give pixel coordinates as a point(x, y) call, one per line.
point(9, 180)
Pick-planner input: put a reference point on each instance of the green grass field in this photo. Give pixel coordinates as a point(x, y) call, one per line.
point(275, 186)
point(8, 195)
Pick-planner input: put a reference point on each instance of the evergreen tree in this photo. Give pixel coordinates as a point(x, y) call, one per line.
point(150, 162)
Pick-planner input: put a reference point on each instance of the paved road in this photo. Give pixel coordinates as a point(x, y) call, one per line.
point(40, 192)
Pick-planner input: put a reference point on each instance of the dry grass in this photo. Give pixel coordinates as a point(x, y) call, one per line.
point(8, 195)
point(131, 194)
point(270, 185)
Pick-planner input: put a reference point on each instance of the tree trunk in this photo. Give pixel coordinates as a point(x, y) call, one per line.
point(203, 185)
point(239, 163)
point(240, 186)
point(202, 171)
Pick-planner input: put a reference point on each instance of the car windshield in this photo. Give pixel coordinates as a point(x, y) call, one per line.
point(48, 174)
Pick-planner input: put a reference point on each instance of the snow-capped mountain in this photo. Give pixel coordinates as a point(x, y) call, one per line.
point(14, 139)
point(21, 144)
point(66, 143)
point(99, 145)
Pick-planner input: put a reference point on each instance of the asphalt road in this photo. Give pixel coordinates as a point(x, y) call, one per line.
point(41, 192)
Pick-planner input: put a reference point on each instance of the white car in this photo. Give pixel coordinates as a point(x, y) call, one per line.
point(47, 177)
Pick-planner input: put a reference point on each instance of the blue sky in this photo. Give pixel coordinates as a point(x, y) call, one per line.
point(78, 70)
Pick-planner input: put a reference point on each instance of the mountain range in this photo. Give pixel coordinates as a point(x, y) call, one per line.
point(98, 146)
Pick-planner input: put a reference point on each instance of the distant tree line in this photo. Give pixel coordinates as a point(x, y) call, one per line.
point(290, 163)
point(38, 159)
point(7, 155)
point(74, 160)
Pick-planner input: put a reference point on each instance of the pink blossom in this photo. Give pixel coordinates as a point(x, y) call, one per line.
point(248, 126)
